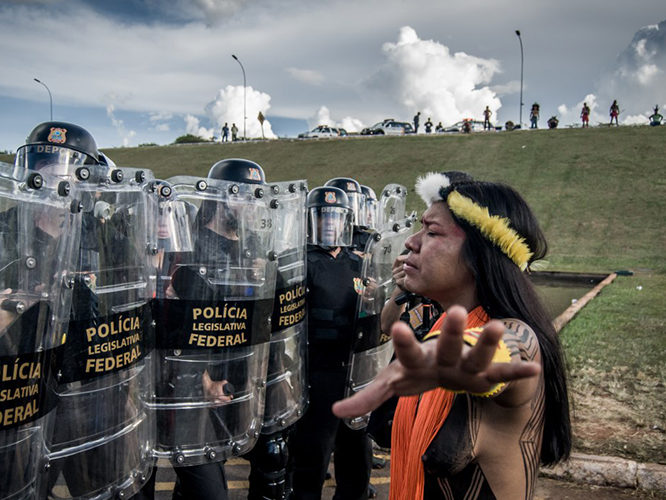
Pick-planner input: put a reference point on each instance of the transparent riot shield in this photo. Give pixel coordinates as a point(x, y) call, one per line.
point(392, 206)
point(213, 324)
point(38, 228)
point(286, 385)
point(102, 436)
point(373, 348)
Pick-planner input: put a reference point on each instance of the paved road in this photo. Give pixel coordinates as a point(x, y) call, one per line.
point(547, 489)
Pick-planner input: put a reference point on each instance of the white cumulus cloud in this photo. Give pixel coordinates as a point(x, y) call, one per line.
point(228, 108)
point(570, 115)
point(193, 127)
point(427, 77)
point(637, 81)
point(323, 117)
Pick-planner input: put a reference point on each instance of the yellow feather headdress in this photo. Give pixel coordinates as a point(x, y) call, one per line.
point(495, 228)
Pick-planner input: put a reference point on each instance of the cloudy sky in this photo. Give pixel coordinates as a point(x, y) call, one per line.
point(141, 71)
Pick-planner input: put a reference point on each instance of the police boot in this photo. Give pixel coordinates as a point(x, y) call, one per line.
point(268, 474)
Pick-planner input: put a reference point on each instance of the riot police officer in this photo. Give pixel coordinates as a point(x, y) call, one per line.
point(334, 285)
point(102, 436)
point(213, 327)
point(356, 198)
point(286, 383)
point(38, 216)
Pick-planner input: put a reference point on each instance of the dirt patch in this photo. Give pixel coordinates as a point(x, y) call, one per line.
point(610, 421)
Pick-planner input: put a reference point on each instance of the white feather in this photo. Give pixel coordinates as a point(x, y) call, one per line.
point(428, 186)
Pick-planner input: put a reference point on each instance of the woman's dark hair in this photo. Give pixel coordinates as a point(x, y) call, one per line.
point(504, 291)
point(456, 176)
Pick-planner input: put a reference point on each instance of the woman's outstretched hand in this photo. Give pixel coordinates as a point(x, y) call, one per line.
point(443, 362)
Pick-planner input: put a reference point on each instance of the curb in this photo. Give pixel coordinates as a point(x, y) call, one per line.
point(609, 471)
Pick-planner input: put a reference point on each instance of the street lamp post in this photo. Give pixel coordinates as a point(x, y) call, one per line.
point(50, 98)
point(520, 121)
point(244, 95)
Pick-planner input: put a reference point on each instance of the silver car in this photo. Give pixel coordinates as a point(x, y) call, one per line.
point(389, 127)
point(320, 131)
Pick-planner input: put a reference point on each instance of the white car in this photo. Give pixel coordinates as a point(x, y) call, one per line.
point(389, 127)
point(320, 131)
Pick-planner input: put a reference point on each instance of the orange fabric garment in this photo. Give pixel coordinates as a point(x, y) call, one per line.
point(415, 424)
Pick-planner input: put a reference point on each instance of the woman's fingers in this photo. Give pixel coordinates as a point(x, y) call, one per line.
point(506, 372)
point(449, 343)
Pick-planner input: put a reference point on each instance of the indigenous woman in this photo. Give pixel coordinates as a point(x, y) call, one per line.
point(489, 397)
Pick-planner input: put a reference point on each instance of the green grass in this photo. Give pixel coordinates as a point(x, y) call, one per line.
point(600, 195)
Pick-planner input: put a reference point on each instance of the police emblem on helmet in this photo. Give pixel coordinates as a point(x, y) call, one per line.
point(329, 197)
point(254, 174)
point(57, 135)
point(351, 186)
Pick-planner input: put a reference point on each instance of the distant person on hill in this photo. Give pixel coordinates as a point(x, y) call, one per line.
point(655, 118)
point(534, 115)
point(439, 127)
point(428, 126)
point(486, 118)
point(225, 132)
point(234, 132)
point(585, 115)
point(553, 122)
point(417, 117)
point(614, 112)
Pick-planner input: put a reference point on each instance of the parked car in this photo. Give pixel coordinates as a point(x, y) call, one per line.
point(475, 125)
point(320, 131)
point(389, 127)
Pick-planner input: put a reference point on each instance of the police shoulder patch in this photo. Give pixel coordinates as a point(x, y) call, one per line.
point(359, 287)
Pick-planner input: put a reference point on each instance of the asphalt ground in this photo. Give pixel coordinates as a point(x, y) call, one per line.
point(237, 471)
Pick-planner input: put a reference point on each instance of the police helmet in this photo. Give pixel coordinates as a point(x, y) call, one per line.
point(329, 217)
point(60, 146)
point(353, 190)
point(237, 170)
point(230, 170)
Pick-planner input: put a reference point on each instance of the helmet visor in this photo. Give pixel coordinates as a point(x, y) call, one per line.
point(329, 226)
point(370, 214)
point(56, 160)
point(173, 227)
point(356, 200)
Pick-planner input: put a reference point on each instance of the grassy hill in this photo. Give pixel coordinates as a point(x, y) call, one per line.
point(600, 195)
point(598, 192)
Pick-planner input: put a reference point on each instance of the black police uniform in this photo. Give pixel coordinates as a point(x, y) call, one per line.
point(205, 481)
point(269, 459)
point(331, 301)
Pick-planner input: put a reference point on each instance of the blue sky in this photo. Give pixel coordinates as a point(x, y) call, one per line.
point(139, 71)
